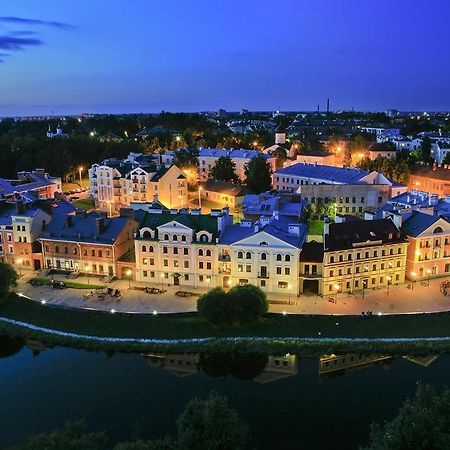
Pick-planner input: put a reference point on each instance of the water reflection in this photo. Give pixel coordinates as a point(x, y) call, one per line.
point(264, 369)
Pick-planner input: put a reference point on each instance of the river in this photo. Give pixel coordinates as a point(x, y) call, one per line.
point(289, 402)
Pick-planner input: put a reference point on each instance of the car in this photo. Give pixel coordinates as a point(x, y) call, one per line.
point(58, 284)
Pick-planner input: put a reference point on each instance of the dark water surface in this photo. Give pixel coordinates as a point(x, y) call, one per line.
point(291, 402)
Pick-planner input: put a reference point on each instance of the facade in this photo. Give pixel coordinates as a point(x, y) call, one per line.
point(382, 150)
point(223, 194)
point(209, 156)
point(433, 180)
point(361, 255)
point(115, 184)
point(267, 204)
point(293, 178)
point(36, 181)
point(429, 246)
point(87, 242)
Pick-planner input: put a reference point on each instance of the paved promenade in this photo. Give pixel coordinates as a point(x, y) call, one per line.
point(399, 300)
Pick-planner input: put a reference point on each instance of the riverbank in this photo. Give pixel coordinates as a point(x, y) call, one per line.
point(189, 332)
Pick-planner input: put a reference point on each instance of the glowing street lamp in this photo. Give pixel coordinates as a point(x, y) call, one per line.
point(19, 263)
point(388, 278)
point(336, 288)
point(200, 197)
point(80, 170)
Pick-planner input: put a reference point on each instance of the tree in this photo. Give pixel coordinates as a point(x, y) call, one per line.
point(425, 150)
point(249, 303)
point(215, 307)
point(224, 169)
point(422, 423)
point(258, 175)
point(8, 279)
point(186, 157)
point(73, 436)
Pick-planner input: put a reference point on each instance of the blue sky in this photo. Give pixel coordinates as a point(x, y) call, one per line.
point(174, 55)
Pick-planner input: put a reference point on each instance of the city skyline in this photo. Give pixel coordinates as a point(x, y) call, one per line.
point(67, 59)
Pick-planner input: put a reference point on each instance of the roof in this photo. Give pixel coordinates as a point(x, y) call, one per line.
point(33, 181)
point(197, 222)
point(347, 235)
point(218, 153)
point(223, 187)
point(342, 175)
point(83, 228)
point(267, 203)
point(439, 173)
point(312, 252)
point(418, 222)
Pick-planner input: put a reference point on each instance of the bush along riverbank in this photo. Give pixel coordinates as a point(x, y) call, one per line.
point(275, 333)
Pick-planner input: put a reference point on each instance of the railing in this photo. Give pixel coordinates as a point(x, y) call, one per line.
point(263, 275)
point(224, 258)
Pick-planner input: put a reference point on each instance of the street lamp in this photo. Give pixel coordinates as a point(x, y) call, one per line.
point(388, 278)
point(128, 274)
point(110, 208)
point(80, 170)
point(413, 274)
point(19, 263)
point(429, 276)
point(199, 197)
point(336, 287)
point(162, 281)
point(289, 289)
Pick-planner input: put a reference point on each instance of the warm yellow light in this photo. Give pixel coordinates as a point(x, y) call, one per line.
point(388, 278)
point(162, 275)
point(428, 270)
point(178, 138)
point(128, 272)
point(413, 274)
point(336, 286)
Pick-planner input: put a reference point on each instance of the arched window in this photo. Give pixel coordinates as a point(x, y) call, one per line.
point(183, 238)
point(279, 257)
point(200, 252)
point(150, 249)
point(57, 248)
point(143, 248)
point(287, 258)
point(263, 256)
point(175, 237)
point(146, 234)
point(203, 238)
point(263, 243)
point(208, 252)
point(240, 255)
point(438, 230)
point(166, 237)
point(248, 255)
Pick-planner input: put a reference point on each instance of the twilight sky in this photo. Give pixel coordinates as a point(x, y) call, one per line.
point(181, 55)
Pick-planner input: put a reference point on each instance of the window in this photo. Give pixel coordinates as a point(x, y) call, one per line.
point(185, 251)
point(208, 252)
point(200, 252)
point(287, 258)
point(279, 257)
point(349, 257)
point(282, 285)
point(152, 261)
point(143, 248)
point(175, 263)
point(200, 278)
point(150, 249)
point(144, 274)
point(175, 238)
point(165, 262)
point(100, 254)
point(93, 252)
point(331, 259)
point(263, 256)
point(203, 238)
point(200, 264)
point(186, 264)
point(287, 271)
point(248, 268)
point(331, 273)
point(278, 269)
point(165, 250)
point(341, 258)
point(108, 253)
point(248, 255)
point(183, 238)
point(56, 248)
point(186, 277)
point(175, 250)
point(208, 265)
point(240, 255)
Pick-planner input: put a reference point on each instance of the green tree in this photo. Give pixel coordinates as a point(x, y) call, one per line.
point(73, 436)
point(8, 279)
point(225, 170)
point(422, 423)
point(249, 303)
point(186, 157)
point(425, 150)
point(258, 175)
point(215, 307)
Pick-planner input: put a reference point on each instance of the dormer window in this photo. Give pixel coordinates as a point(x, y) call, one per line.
point(203, 238)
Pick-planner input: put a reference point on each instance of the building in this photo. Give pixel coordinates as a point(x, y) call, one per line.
point(293, 178)
point(115, 184)
point(267, 204)
point(382, 150)
point(58, 134)
point(311, 268)
point(87, 242)
point(37, 181)
point(208, 157)
point(363, 254)
point(429, 246)
point(223, 194)
point(179, 247)
point(434, 180)
point(439, 150)
point(265, 253)
point(381, 132)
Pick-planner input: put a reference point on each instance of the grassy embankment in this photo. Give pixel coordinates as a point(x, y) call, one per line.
point(282, 331)
point(69, 284)
point(84, 203)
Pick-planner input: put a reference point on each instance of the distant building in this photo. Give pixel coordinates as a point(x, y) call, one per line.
point(382, 150)
point(434, 180)
point(381, 132)
point(268, 204)
point(57, 134)
point(223, 194)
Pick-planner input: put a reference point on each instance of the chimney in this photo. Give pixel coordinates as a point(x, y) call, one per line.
point(328, 106)
point(155, 198)
point(20, 207)
point(100, 224)
point(68, 221)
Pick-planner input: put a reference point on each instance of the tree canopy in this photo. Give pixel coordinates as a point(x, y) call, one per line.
point(225, 170)
point(396, 169)
point(8, 279)
point(258, 175)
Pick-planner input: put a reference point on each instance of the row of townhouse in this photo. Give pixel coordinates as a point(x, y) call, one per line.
point(114, 183)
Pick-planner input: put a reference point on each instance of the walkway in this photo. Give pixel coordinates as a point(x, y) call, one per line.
point(400, 299)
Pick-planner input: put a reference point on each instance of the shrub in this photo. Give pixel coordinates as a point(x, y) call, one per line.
point(215, 306)
point(8, 279)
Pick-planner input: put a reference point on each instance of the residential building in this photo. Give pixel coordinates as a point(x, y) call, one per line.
point(431, 179)
point(293, 178)
point(429, 246)
point(362, 254)
point(87, 242)
point(223, 194)
point(208, 157)
point(311, 268)
point(381, 132)
point(179, 247)
point(381, 150)
point(38, 181)
point(115, 184)
point(267, 204)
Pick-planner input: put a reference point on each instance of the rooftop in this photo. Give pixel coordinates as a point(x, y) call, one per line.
point(418, 222)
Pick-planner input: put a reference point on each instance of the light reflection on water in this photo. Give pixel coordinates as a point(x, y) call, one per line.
point(316, 402)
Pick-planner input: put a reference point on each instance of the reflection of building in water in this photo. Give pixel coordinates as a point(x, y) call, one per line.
point(329, 364)
point(36, 346)
point(423, 361)
point(180, 365)
point(279, 367)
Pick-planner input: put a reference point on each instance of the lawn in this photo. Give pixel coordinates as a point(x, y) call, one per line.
point(69, 284)
point(315, 227)
point(84, 203)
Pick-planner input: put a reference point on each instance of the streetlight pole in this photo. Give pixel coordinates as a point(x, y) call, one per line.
point(80, 169)
point(336, 286)
point(429, 276)
point(162, 281)
point(199, 197)
point(128, 272)
point(19, 263)
point(413, 274)
point(388, 278)
point(289, 289)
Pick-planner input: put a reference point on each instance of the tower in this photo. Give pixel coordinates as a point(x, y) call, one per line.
point(280, 135)
point(49, 132)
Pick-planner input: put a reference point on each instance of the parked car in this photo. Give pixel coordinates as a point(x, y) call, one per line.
point(58, 284)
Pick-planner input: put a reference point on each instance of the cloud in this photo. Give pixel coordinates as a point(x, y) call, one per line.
point(24, 21)
point(15, 43)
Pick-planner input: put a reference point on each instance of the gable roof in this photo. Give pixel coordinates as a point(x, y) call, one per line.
point(223, 187)
point(418, 222)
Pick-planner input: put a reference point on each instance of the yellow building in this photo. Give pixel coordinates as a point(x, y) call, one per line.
point(361, 254)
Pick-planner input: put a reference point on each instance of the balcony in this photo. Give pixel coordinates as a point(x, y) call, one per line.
point(224, 257)
point(263, 275)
